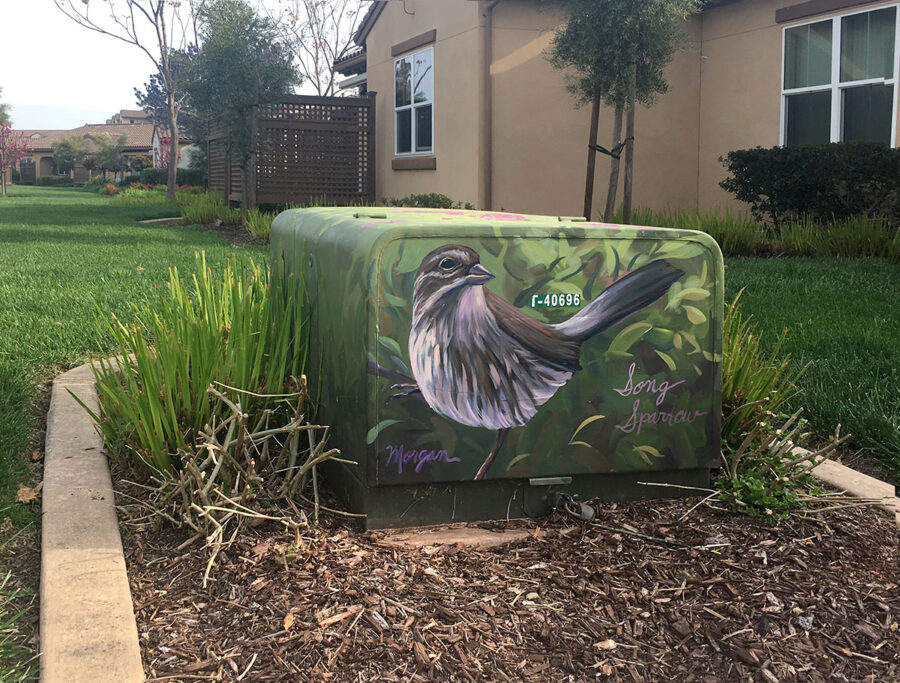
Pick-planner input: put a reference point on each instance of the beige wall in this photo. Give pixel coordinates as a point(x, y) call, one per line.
point(741, 86)
point(540, 137)
point(724, 95)
point(456, 96)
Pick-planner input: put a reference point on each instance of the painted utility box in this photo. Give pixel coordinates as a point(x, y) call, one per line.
point(470, 363)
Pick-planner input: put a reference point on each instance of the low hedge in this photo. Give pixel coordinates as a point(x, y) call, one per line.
point(183, 176)
point(53, 181)
point(824, 183)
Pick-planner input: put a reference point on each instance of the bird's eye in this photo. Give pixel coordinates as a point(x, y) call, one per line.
point(447, 264)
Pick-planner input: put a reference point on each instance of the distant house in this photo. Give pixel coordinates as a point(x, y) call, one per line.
point(129, 116)
point(39, 161)
point(468, 105)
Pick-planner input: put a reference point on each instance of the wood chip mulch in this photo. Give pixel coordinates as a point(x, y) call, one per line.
point(809, 600)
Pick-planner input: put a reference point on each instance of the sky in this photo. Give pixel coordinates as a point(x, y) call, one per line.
point(56, 74)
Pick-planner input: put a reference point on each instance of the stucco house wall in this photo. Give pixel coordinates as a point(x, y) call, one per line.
point(509, 135)
point(741, 75)
point(457, 101)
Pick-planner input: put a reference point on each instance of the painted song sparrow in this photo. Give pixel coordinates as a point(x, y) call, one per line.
point(482, 362)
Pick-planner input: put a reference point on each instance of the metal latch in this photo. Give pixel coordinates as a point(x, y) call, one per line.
point(370, 214)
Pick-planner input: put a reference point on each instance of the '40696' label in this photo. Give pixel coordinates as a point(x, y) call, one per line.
point(555, 300)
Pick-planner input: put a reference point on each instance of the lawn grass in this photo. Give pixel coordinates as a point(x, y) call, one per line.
point(63, 252)
point(843, 315)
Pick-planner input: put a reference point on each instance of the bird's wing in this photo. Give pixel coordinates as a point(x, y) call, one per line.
point(556, 349)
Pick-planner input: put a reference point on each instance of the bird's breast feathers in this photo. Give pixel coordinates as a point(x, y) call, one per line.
point(472, 370)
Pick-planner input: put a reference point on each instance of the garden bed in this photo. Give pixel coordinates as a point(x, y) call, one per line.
point(724, 598)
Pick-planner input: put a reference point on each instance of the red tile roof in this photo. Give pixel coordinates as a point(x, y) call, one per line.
point(139, 135)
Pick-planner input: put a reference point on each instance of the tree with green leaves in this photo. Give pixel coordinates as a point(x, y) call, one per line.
point(67, 152)
point(109, 155)
point(240, 64)
point(4, 113)
point(615, 52)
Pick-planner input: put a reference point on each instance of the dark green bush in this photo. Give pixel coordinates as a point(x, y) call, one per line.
point(53, 181)
point(432, 200)
point(154, 176)
point(826, 182)
point(16, 176)
point(129, 180)
point(183, 176)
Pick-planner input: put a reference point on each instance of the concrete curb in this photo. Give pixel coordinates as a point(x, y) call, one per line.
point(858, 484)
point(88, 629)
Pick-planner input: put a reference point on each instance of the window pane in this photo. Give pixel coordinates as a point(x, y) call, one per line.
point(423, 75)
point(423, 128)
point(404, 131)
point(808, 118)
point(807, 55)
point(867, 45)
point(867, 113)
point(402, 82)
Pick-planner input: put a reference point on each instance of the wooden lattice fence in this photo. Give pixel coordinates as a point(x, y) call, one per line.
point(306, 149)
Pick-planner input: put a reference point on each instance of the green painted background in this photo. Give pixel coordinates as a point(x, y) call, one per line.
point(360, 266)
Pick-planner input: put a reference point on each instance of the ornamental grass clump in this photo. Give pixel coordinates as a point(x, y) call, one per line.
point(259, 223)
point(765, 469)
point(208, 403)
point(208, 208)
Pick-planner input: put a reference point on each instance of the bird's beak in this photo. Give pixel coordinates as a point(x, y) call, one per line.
point(478, 275)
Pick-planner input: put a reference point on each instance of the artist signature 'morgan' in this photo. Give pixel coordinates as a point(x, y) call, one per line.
point(399, 456)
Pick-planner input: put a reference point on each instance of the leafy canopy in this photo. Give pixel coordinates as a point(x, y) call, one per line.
point(240, 64)
point(109, 156)
point(602, 39)
point(67, 152)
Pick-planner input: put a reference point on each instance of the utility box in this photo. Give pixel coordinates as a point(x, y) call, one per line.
point(472, 364)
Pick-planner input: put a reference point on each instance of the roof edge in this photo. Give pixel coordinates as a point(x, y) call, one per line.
point(368, 21)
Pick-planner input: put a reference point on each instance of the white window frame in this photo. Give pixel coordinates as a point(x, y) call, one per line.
point(835, 85)
point(412, 105)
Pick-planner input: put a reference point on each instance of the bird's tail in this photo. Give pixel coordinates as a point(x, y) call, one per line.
point(622, 298)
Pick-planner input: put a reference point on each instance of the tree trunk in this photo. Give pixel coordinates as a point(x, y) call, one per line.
point(173, 147)
point(3, 181)
point(610, 211)
point(629, 148)
point(591, 160)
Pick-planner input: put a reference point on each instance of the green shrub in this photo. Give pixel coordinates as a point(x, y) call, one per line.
point(95, 183)
point(155, 176)
point(183, 176)
point(826, 182)
point(432, 200)
point(129, 180)
point(754, 383)
point(205, 209)
point(259, 223)
point(229, 329)
point(762, 474)
point(53, 181)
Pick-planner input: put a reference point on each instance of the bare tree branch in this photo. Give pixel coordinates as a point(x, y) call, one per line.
point(134, 24)
point(318, 32)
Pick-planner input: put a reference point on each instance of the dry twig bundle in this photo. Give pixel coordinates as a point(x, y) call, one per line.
point(242, 470)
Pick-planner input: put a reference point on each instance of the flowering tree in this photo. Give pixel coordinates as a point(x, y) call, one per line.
point(13, 146)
